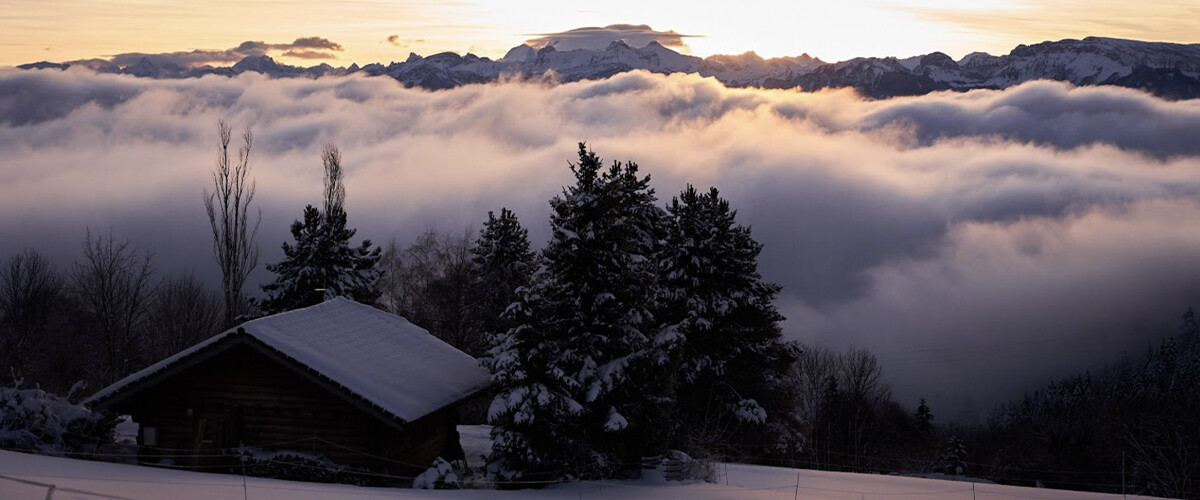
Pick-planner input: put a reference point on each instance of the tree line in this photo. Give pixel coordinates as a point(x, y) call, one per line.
point(101, 318)
point(1132, 427)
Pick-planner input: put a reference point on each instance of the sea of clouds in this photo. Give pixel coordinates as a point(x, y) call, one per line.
point(979, 243)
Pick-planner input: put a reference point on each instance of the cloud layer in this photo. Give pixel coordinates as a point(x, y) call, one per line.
point(979, 243)
point(311, 47)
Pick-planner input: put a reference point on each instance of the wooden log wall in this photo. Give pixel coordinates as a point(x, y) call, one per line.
point(244, 397)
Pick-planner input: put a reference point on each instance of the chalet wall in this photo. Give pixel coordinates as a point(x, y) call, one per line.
point(242, 396)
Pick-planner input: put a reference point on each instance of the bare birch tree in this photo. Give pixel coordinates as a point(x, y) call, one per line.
point(228, 207)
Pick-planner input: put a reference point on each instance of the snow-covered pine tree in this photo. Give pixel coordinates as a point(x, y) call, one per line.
point(536, 431)
point(503, 263)
point(322, 263)
point(608, 233)
point(578, 360)
point(954, 457)
point(304, 271)
point(356, 274)
point(724, 337)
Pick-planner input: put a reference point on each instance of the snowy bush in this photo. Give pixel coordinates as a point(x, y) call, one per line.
point(679, 466)
point(697, 468)
point(36, 421)
point(298, 466)
point(439, 475)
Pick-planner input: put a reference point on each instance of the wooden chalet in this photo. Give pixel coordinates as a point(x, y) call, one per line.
point(355, 384)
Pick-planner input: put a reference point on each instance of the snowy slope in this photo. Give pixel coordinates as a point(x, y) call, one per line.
point(83, 479)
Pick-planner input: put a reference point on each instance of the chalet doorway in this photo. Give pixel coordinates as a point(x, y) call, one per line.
point(213, 435)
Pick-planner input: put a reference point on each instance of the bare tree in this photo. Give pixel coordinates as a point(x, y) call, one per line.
point(429, 283)
point(30, 290)
point(865, 394)
point(183, 312)
point(1165, 455)
point(228, 208)
point(809, 376)
point(406, 273)
point(335, 188)
point(862, 377)
point(113, 286)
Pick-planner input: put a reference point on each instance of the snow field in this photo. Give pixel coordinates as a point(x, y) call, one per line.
point(24, 476)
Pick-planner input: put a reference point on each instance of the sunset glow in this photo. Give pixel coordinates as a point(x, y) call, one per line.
point(384, 31)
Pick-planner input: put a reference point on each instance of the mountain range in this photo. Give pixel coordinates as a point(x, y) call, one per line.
point(1168, 70)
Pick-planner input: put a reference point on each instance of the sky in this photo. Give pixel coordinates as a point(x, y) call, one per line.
point(387, 30)
point(979, 243)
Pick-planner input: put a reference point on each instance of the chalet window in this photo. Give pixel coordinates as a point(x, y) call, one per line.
point(149, 436)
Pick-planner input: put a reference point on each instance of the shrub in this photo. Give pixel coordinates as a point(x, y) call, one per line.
point(33, 420)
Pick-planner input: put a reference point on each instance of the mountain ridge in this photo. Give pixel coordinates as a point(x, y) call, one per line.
point(1168, 70)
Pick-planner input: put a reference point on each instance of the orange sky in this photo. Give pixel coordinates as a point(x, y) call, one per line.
point(61, 30)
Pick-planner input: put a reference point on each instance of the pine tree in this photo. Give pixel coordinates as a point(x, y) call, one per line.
point(923, 419)
point(503, 263)
point(724, 341)
point(304, 271)
point(536, 434)
point(954, 457)
point(578, 360)
point(322, 263)
point(355, 272)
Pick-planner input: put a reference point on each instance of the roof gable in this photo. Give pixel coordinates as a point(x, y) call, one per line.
point(382, 358)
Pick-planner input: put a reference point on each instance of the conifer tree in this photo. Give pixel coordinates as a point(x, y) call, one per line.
point(577, 367)
point(724, 339)
point(536, 435)
point(503, 263)
point(923, 419)
point(304, 271)
point(322, 263)
point(954, 457)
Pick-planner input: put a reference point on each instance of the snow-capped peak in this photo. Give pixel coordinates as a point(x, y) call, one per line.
point(1167, 69)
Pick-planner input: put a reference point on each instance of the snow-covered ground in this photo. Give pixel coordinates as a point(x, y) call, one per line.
point(77, 479)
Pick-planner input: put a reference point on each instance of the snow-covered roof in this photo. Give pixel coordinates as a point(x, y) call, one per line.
point(380, 357)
